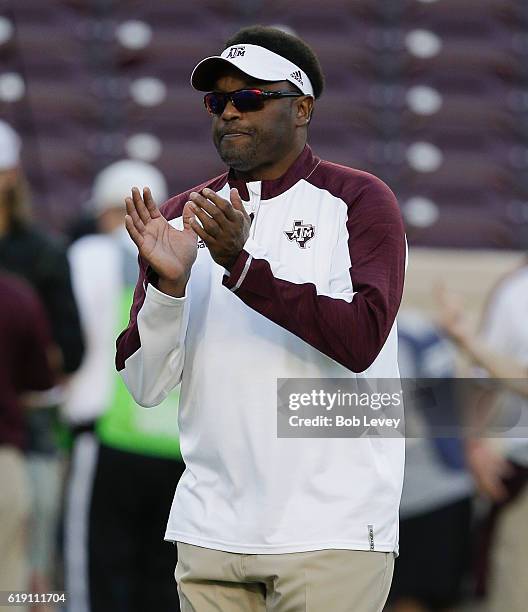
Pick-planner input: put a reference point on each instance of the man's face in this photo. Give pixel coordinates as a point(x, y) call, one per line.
point(251, 140)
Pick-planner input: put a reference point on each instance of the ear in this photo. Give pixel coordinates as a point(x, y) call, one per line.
point(304, 110)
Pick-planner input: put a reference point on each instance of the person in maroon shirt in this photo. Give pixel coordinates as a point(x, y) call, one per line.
point(28, 251)
point(25, 365)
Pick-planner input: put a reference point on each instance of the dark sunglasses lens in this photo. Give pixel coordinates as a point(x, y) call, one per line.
point(215, 103)
point(247, 100)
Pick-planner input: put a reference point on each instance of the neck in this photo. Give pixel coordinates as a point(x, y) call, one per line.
point(274, 170)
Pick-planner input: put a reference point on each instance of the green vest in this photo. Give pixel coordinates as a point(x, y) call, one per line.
point(129, 427)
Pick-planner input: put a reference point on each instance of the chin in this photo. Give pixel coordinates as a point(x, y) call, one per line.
point(237, 158)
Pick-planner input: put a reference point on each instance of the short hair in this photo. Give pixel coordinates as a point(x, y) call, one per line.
point(287, 45)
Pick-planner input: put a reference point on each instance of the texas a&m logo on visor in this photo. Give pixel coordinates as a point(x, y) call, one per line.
point(301, 233)
point(236, 52)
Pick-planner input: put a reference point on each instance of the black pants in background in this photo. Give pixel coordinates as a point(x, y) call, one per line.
point(435, 552)
point(131, 568)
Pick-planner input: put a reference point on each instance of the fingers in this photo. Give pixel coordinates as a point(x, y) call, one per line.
point(199, 231)
point(237, 203)
point(188, 217)
point(224, 205)
point(210, 216)
point(220, 218)
point(236, 200)
point(211, 209)
point(133, 232)
point(150, 204)
point(219, 208)
point(139, 205)
point(132, 213)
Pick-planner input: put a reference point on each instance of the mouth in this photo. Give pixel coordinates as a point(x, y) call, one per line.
point(233, 135)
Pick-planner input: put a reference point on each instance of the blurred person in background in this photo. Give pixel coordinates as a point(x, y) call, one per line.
point(507, 369)
point(29, 252)
point(25, 365)
point(501, 347)
point(436, 504)
point(125, 460)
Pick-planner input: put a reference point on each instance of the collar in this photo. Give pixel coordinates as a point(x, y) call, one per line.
point(301, 168)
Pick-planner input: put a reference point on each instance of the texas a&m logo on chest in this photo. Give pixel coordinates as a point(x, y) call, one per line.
point(301, 233)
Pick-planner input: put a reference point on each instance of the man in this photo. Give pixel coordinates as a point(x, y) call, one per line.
point(124, 460)
point(286, 266)
point(25, 365)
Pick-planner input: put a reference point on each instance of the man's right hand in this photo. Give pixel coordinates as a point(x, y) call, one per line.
point(170, 252)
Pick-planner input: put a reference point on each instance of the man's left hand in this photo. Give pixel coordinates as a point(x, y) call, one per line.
point(225, 224)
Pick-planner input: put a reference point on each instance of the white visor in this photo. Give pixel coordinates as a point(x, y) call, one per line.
point(256, 62)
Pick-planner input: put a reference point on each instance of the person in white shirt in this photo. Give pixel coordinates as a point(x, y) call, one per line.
point(501, 474)
point(287, 266)
point(124, 459)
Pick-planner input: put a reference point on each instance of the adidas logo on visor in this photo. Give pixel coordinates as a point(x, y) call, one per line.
point(297, 76)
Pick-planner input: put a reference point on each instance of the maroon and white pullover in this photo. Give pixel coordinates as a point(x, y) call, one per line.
point(313, 294)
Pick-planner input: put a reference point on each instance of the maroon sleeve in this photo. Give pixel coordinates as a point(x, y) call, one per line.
point(351, 333)
point(128, 341)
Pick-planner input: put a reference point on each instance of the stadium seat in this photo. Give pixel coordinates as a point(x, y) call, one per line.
point(459, 228)
point(450, 74)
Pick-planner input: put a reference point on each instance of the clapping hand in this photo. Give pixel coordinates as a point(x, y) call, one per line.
point(169, 251)
point(224, 224)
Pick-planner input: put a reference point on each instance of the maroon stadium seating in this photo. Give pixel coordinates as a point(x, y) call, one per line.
point(451, 73)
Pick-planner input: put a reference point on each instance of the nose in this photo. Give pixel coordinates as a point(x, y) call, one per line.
point(230, 112)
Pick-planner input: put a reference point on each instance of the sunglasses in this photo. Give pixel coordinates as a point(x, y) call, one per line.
point(244, 100)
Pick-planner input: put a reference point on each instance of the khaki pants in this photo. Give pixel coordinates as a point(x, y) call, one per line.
point(508, 588)
point(319, 581)
point(14, 519)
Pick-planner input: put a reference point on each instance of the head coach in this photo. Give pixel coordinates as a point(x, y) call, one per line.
point(286, 266)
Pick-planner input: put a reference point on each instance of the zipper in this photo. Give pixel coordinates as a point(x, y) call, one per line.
point(254, 202)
